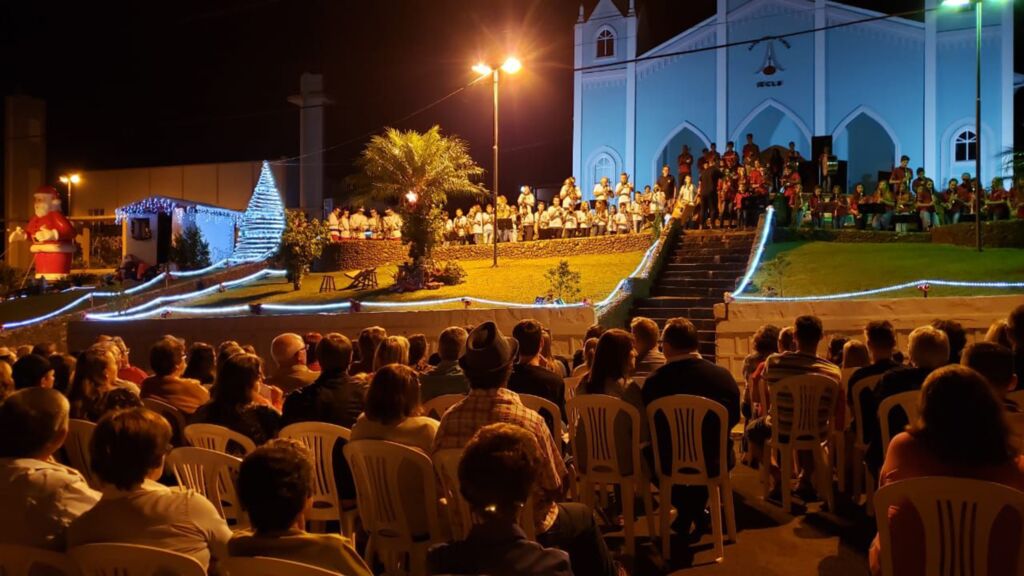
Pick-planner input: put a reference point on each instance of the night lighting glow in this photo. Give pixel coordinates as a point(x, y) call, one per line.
point(259, 233)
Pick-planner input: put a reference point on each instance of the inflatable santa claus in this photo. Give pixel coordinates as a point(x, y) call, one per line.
point(52, 236)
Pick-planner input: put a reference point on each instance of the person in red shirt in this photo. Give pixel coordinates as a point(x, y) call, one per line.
point(925, 205)
point(817, 207)
point(842, 207)
point(712, 156)
point(965, 195)
point(685, 162)
point(1017, 198)
point(751, 151)
point(756, 178)
point(899, 179)
point(731, 158)
point(997, 205)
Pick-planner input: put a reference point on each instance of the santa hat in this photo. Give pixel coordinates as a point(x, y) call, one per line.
point(46, 194)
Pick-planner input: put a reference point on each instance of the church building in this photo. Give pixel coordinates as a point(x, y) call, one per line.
point(785, 71)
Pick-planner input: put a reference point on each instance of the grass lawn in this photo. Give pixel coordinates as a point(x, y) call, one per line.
point(820, 268)
point(518, 281)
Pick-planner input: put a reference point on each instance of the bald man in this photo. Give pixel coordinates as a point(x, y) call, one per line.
point(289, 353)
point(39, 497)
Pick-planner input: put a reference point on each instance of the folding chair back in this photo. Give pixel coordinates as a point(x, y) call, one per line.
point(76, 448)
point(264, 566)
point(214, 437)
point(212, 474)
point(438, 405)
point(18, 560)
point(320, 438)
point(133, 560)
point(908, 402)
point(174, 417)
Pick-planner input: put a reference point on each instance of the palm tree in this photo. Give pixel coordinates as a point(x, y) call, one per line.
point(418, 172)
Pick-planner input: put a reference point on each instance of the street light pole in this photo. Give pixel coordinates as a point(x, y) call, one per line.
point(494, 192)
point(977, 121)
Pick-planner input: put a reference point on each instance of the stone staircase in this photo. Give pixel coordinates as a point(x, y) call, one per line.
point(701, 268)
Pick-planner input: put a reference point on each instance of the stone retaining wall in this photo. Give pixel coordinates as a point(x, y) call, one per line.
point(361, 254)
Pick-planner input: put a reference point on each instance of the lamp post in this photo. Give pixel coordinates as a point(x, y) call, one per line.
point(977, 108)
point(511, 66)
point(70, 179)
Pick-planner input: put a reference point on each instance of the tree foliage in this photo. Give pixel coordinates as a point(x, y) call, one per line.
point(564, 282)
point(303, 242)
point(190, 251)
point(429, 165)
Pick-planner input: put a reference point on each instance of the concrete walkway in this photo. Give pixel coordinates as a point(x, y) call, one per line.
point(769, 542)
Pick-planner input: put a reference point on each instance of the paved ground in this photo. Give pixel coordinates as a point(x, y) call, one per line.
point(769, 542)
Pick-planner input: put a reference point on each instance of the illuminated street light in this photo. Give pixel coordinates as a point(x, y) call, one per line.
point(510, 66)
point(70, 180)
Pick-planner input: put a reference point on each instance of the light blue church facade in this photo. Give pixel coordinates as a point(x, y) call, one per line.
point(881, 87)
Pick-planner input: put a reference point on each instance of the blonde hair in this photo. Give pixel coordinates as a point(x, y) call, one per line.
point(392, 350)
point(929, 347)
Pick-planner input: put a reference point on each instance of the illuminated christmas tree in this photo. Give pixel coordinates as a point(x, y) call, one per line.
point(259, 233)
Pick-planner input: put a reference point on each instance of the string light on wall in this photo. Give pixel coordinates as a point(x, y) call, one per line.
point(263, 222)
point(164, 205)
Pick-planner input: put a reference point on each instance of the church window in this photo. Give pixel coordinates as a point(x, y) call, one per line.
point(965, 146)
point(605, 43)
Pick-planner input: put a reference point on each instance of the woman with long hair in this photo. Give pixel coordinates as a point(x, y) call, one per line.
point(93, 391)
point(233, 401)
point(961, 432)
point(202, 364)
point(392, 350)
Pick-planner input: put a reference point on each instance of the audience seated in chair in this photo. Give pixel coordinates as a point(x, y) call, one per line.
point(645, 338)
point(128, 450)
point(32, 370)
point(125, 370)
point(369, 339)
point(275, 486)
point(579, 356)
point(233, 403)
point(589, 348)
point(38, 496)
point(488, 365)
point(498, 470)
point(685, 372)
point(763, 343)
point(418, 353)
point(446, 377)
point(528, 375)
point(995, 364)
point(93, 392)
point(292, 373)
point(962, 432)
point(167, 359)
point(391, 350)
point(201, 364)
point(807, 333)
point(929, 349)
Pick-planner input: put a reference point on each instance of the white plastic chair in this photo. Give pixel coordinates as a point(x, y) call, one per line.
point(542, 405)
point(26, 561)
point(76, 447)
point(685, 415)
point(133, 560)
point(906, 401)
point(438, 405)
point(214, 475)
point(838, 435)
point(176, 418)
point(376, 467)
point(214, 437)
point(801, 409)
point(957, 516)
point(266, 566)
point(597, 414)
point(320, 438)
point(863, 481)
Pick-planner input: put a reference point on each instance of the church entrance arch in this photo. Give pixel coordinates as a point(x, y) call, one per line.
point(668, 153)
point(868, 146)
point(772, 124)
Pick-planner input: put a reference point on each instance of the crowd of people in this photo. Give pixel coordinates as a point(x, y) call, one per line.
point(727, 189)
point(376, 387)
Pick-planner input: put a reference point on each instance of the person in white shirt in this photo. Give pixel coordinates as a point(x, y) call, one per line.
point(449, 232)
point(623, 189)
point(359, 223)
point(334, 224)
point(622, 224)
point(636, 211)
point(476, 218)
point(613, 213)
point(344, 226)
point(461, 225)
point(543, 222)
point(602, 190)
point(528, 222)
point(526, 197)
point(601, 219)
point(373, 224)
point(582, 220)
point(555, 221)
point(38, 496)
point(685, 200)
point(488, 224)
point(566, 191)
point(567, 202)
point(392, 224)
point(569, 223)
point(129, 447)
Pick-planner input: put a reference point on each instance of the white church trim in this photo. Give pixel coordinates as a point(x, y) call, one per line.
point(764, 105)
point(867, 111)
point(684, 125)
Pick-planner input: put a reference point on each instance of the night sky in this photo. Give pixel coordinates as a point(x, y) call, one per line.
point(164, 82)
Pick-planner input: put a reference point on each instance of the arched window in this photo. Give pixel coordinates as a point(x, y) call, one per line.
point(605, 43)
point(604, 167)
point(965, 146)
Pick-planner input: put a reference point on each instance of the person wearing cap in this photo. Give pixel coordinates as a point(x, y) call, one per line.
point(487, 364)
point(289, 353)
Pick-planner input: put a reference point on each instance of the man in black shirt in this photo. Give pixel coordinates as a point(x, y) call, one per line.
point(667, 182)
point(685, 372)
point(707, 190)
point(528, 376)
point(881, 343)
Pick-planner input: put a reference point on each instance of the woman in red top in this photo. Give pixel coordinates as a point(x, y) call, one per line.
point(817, 206)
point(997, 205)
point(962, 432)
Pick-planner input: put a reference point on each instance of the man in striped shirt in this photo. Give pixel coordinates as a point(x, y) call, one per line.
point(805, 360)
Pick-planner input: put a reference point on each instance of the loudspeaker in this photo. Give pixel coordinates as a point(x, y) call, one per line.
point(818, 144)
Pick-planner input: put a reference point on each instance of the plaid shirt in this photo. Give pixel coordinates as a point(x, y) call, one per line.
point(483, 407)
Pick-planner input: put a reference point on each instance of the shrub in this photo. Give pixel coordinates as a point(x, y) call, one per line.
point(190, 251)
point(564, 282)
point(451, 273)
point(302, 242)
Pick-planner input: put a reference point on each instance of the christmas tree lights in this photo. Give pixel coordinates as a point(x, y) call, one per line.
point(259, 233)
